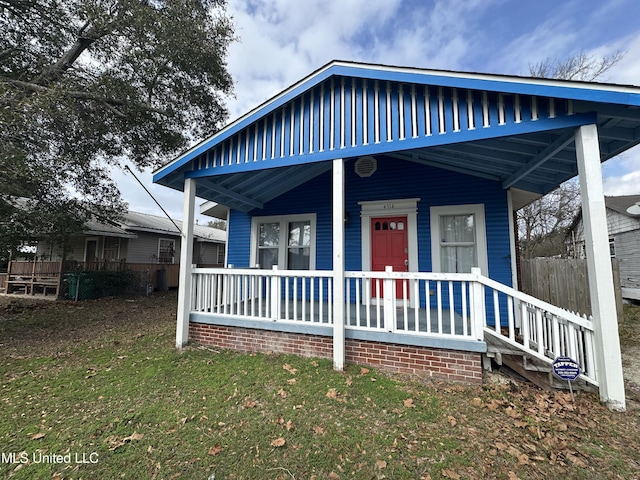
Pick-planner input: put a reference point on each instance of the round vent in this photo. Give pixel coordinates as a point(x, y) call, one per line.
point(366, 166)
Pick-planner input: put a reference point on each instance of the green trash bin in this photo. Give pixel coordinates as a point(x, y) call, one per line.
point(72, 281)
point(80, 286)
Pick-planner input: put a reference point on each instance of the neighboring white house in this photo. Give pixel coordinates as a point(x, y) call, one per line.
point(623, 224)
point(138, 238)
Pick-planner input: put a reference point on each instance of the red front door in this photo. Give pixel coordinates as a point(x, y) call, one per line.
point(389, 247)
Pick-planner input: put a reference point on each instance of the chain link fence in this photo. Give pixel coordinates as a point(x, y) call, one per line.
point(92, 284)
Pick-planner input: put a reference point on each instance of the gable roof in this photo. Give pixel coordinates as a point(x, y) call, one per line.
point(137, 222)
point(515, 130)
point(621, 203)
point(618, 204)
point(143, 222)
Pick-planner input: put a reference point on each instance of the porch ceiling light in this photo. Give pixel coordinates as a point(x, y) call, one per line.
point(366, 166)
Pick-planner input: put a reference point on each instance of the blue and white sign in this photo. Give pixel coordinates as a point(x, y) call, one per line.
point(566, 368)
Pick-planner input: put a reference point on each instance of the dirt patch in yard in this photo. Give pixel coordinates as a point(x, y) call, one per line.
point(26, 331)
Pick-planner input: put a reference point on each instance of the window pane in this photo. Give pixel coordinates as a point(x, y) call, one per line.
point(457, 229)
point(457, 259)
point(111, 248)
point(268, 257)
point(269, 235)
point(299, 234)
point(166, 251)
point(298, 259)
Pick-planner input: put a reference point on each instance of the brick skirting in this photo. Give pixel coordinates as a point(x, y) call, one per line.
point(421, 361)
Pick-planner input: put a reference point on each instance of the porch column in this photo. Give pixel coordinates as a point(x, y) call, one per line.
point(603, 304)
point(186, 258)
point(338, 264)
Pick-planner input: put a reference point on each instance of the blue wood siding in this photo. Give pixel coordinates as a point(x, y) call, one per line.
point(330, 117)
point(394, 179)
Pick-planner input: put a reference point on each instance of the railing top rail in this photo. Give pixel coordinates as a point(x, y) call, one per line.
point(258, 272)
point(453, 277)
point(460, 277)
point(574, 318)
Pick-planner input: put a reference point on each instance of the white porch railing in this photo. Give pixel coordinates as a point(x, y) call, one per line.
point(542, 330)
point(272, 295)
point(418, 303)
point(454, 306)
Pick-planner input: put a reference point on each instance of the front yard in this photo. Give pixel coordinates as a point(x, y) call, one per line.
point(96, 389)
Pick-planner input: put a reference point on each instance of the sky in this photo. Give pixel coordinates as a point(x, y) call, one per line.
point(283, 41)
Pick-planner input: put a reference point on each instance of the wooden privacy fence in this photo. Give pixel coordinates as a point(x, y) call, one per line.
point(564, 282)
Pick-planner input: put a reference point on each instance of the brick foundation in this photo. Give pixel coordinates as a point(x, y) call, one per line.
point(440, 363)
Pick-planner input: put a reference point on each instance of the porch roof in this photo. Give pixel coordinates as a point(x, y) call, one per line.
point(515, 130)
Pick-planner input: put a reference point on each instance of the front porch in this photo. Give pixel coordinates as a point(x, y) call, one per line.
point(357, 167)
point(442, 317)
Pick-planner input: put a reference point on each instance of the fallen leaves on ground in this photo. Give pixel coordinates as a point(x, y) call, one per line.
point(290, 369)
point(278, 442)
point(216, 449)
point(115, 443)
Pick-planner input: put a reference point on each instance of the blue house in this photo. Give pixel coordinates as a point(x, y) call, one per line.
point(371, 219)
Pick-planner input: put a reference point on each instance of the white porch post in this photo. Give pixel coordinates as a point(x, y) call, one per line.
point(603, 304)
point(186, 257)
point(338, 264)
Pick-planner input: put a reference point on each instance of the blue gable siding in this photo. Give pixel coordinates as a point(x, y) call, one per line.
point(394, 179)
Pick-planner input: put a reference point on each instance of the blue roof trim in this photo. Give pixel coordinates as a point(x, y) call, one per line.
point(388, 147)
point(533, 87)
point(247, 120)
point(513, 87)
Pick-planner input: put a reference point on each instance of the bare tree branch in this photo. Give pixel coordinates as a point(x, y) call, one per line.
point(580, 67)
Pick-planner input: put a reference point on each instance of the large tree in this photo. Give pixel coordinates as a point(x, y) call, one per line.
point(86, 84)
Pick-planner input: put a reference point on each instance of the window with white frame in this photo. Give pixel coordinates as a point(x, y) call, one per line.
point(458, 238)
point(286, 242)
point(166, 250)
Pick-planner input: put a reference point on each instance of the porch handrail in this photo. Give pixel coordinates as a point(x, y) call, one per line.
point(536, 302)
point(540, 329)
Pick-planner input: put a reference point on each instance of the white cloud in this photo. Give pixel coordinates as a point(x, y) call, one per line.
point(282, 41)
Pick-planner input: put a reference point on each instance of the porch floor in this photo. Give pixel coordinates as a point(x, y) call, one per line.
point(361, 316)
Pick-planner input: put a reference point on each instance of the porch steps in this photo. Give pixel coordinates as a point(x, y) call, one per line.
point(529, 367)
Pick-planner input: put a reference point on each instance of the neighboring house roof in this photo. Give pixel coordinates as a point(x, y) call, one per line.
point(514, 130)
point(619, 204)
point(94, 227)
point(133, 222)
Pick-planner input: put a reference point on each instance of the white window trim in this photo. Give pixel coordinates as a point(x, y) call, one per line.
point(284, 221)
point(173, 259)
point(481, 233)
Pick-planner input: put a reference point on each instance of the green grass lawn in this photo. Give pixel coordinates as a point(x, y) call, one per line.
point(97, 390)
